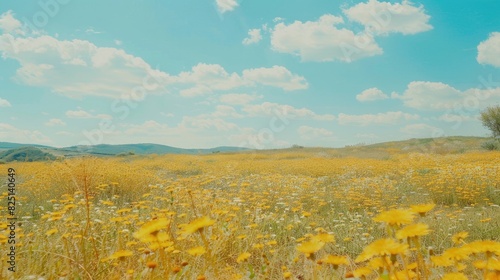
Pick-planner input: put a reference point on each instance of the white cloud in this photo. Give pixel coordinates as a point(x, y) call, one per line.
point(198, 90)
point(284, 111)
point(206, 78)
point(277, 76)
point(226, 5)
point(9, 24)
point(226, 111)
point(81, 114)
point(307, 132)
point(382, 18)
point(55, 122)
point(203, 122)
point(213, 76)
point(10, 133)
point(91, 30)
point(168, 115)
point(440, 96)
point(186, 134)
point(457, 118)
point(322, 41)
point(237, 98)
point(4, 103)
point(371, 94)
point(380, 118)
point(118, 42)
point(254, 37)
point(78, 68)
point(422, 130)
point(488, 51)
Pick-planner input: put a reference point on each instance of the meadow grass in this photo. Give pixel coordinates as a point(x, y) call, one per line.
point(295, 214)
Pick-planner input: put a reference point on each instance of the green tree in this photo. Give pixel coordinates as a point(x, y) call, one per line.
point(490, 118)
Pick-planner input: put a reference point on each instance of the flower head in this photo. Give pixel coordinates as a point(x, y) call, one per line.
point(335, 260)
point(310, 247)
point(382, 247)
point(324, 237)
point(196, 225)
point(484, 246)
point(458, 254)
point(197, 251)
point(395, 217)
point(422, 209)
point(243, 257)
point(151, 229)
point(120, 255)
point(413, 231)
point(459, 237)
point(51, 232)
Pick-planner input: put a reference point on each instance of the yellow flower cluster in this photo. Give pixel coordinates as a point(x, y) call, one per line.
point(308, 214)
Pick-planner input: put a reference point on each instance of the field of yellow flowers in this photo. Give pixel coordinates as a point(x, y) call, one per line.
point(292, 214)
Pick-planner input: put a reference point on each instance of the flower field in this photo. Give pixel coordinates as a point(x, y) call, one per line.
point(291, 214)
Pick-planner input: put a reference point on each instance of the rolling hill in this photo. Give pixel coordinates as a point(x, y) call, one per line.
point(18, 152)
point(443, 145)
point(25, 154)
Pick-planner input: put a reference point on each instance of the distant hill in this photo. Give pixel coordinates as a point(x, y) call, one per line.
point(8, 146)
point(385, 150)
point(25, 154)
point(145, 149)
point(443, 145)
point(15, 151)
point(458, 143)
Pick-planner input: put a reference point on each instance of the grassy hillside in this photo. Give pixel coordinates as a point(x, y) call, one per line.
point(144, 149)
point(25, 154)
point(8, 146)
point(444, 145)
point(13, 151)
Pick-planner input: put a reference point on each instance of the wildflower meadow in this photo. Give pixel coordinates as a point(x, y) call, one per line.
point(290, 214)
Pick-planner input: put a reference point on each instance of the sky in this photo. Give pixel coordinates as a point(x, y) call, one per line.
point(258, 74)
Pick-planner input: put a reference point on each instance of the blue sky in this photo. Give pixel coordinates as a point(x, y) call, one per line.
point(260, 74)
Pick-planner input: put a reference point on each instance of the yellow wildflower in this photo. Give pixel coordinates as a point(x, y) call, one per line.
point(382, 247)
point(151, 229)
point(324, 237)
point(197, 251)
point(422, 209)
point(243, 257)
point(335, 260)
point(120, 255)
point(459, 237)
point(484, 246)
point(395, 217)
point(458, 254)
point(310, 247)
point(413, 231)
point(196, 225)
point(51, 232)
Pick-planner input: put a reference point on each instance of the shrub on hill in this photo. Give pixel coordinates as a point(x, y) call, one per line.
point(491, 145)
